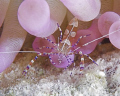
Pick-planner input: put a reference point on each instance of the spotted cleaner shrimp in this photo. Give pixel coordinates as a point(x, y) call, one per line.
point(62, 52)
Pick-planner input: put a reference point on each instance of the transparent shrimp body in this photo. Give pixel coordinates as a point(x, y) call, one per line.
point(65, 56)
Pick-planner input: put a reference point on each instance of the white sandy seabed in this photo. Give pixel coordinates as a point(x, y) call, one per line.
point(101, 80)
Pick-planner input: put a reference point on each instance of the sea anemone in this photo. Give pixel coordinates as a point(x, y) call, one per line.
point(40, 18)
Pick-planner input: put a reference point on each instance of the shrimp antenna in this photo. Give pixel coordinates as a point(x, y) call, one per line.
point(21, 52)
point(97, 39)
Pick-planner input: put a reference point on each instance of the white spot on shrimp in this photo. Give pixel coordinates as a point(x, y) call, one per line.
point(66, 31)
point(82, 59)
point(74, 22)
point(66, 41)
point(73, 34)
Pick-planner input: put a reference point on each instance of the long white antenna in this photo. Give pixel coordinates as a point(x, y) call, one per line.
point(97, 39)
point(21, 52)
